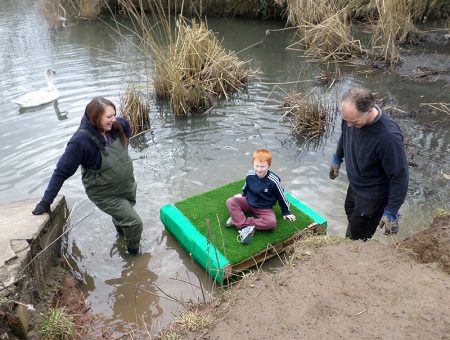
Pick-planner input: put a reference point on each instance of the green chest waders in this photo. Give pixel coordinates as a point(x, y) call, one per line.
point(112, 189)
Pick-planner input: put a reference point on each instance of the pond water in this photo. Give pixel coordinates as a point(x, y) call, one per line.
point(183, 156)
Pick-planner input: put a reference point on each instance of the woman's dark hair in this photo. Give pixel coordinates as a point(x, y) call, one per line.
point(94, 111)
point(364, 99)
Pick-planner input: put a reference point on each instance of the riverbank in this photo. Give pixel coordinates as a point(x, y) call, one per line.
point(335, 288)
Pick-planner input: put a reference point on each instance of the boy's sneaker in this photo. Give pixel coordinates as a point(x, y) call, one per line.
point(229, 223)
point(246, 234)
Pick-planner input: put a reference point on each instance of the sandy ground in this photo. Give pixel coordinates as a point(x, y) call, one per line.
point(342, 290)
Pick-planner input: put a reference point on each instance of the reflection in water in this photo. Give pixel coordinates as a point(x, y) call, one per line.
point(134, 298)
point(61, 115)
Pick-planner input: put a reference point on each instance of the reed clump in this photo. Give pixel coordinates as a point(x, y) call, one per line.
point(299, 12)
point(328, 78)
point(310, 116)
point(89, 9)
point(192, 68)
point(331, 40)
point(58, 11)
point(135, 108)
point(200, 69)
point(54, 13)
point(394, 27)
point(324, 26)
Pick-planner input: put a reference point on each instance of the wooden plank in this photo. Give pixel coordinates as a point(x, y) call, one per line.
point(274, 249)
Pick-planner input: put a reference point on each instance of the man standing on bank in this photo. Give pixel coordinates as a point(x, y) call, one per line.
point(100, 146)
point(377, 168)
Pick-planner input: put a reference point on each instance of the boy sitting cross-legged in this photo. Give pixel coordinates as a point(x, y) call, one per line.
point(262, 189)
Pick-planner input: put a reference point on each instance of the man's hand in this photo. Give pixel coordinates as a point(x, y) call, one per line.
point(238, 195)
point(335, 165)
point(290, 217)
point(41, 208)
point(389, 222)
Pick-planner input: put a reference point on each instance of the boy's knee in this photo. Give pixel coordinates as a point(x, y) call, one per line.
point(271, 223)
point(271, 226)
point(230, 202)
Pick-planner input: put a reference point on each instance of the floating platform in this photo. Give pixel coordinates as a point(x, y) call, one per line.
point(198, 224)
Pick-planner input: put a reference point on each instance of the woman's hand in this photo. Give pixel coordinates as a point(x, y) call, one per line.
point(41, 208)
point(290, 217)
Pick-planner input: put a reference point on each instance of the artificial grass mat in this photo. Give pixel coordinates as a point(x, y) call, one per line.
point(211, 205)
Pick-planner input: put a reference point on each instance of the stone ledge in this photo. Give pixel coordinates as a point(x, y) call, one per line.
point(23, 236)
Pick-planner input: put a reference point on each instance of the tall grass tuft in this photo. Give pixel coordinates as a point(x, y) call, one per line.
point(192, 68)
point(393, 27)
point(299, 12)
point(59, 325)
point(89, 9)
point(135, 107)
point(201, 69)
point(331, 40)
point(54, 10)
point(310, 115)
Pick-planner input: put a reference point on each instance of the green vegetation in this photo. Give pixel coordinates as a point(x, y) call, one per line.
point(211, 206)
point(59, 325)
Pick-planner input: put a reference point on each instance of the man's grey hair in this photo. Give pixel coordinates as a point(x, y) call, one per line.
point(364, 99)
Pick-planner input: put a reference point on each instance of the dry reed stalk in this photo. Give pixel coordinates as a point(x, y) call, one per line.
point(135, 108)
point(191, 66)
point(55, 10)
point(394, 26)
point(90, 9)
point(300, 11)
point(309, 115)
point(330, 40)
point(442, 107)
point(52, 11)
point(328, 78)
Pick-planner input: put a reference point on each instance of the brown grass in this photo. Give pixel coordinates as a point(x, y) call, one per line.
point(299, 12)
point(310, 115)
point(192, 68)
point(135, 107)
point(53, 12)
point(328, 78)
point(331, 40)
point(85, 9)
point(324, 26)
point(393, 27)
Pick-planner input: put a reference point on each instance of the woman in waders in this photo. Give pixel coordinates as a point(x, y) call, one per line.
point(100, 146)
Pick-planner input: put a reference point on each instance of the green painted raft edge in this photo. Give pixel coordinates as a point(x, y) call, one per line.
point(319, 219)
point(195, 243)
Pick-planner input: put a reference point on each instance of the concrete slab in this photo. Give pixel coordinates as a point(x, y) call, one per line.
point(18, 227)
point(23, 274)
point(18, 223)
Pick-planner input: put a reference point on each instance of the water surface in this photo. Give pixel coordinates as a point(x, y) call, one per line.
point(182, 156)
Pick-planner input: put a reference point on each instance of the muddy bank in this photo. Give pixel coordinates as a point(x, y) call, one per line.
point(431, 245)
point(344, 289)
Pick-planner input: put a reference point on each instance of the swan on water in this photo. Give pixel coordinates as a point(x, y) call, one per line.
point(39, 97)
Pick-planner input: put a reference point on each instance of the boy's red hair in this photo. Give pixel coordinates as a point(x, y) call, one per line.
point(262, 155)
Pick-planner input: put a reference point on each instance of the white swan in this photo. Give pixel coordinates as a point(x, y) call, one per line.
point(39, 97)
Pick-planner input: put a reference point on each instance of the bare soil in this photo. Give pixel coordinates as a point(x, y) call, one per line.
point(344, 290)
